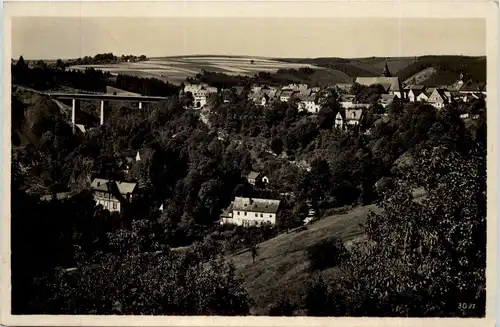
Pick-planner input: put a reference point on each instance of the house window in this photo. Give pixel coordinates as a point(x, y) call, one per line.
point(261, 215)
point(238, 213)
point(114, 205)
point(270, 216)
point(353, 115)
point(256, 215)
point(245, 213)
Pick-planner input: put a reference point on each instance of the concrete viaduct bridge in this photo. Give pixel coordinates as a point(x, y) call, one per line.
point(104, 99)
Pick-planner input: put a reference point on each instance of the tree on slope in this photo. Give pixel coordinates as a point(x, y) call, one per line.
point(425, 257)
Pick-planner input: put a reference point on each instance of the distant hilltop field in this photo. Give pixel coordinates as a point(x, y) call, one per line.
point(177, 69)
point(429, 70)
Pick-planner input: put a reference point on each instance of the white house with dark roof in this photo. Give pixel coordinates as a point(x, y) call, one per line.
point(353, 116)
point(424, 96)
point(113, 195)
point(254, 177)
point(249, 211)
point(413, 91)
point(286, 95)
point(308, 103)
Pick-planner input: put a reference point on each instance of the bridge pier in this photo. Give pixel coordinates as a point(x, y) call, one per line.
point(75, 106)
point(104, 111)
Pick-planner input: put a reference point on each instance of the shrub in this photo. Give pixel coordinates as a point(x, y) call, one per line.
point(282, 307)
point(326, 253)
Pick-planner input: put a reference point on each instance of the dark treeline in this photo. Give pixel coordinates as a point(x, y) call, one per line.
point(145, 86)
point(195, 173)
point(43, 77)
point(279, 78)
point(105, 58)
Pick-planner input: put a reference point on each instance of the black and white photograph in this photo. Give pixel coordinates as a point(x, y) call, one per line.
point(272, 166)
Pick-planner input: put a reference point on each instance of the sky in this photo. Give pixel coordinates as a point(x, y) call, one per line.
point(69, 37)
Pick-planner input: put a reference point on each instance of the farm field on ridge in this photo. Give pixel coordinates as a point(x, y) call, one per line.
point(177, 69)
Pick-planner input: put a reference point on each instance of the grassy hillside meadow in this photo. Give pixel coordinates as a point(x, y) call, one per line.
point(282, 262)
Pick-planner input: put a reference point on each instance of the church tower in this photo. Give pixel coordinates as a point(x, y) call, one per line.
point(386, 72)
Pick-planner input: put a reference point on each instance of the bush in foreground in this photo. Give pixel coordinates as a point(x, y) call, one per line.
point(326, 254)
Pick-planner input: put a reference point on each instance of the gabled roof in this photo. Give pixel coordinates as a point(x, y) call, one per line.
point(347, 97)
point(417, 92)
point(288, 92)
point(473, 87)
point(386, 97)
point(239, 89)
point(443, 94)
point(395, 84)
point(343, 86)
point(415, 87)
point(100, 184)
point(256, 205)
point(252, 175)
point(307, 98)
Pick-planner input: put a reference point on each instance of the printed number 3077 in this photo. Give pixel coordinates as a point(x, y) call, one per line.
point(466, 306)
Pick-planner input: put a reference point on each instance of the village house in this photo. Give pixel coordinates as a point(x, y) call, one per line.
point(342, 88)
point(261, 98)
point(112, 195)
point(308, 103)
point(200, 93)
point(424, 96)
point(256, 178)
point(466, 85)
point(414, 91)
point(473, 87)
point(386, 99)
point(353, 116)
point(286, 95)
point(201, 96)
point(250, 212)
point(295, 87)
point(439, 98)
point(191, 88)
point(347, 100)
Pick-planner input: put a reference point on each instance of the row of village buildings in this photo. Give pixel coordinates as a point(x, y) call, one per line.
point(311, 98)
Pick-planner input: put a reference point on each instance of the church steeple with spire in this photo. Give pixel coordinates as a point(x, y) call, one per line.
point(386, 72)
